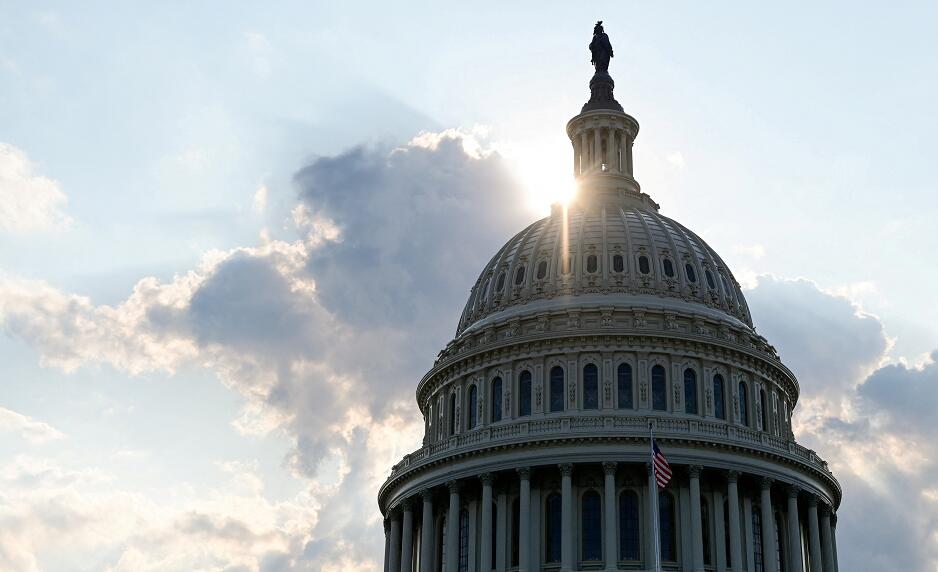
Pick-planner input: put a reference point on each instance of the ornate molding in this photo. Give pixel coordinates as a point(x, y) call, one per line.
point(609, 467)
point(693, 471)
point(566, 469)
point(524, 473)
point(732, 476)
point(766, 483)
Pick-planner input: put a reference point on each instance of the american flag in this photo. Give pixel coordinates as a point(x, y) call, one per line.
point(662, 468)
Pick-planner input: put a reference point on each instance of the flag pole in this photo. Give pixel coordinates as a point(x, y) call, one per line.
point(654, 497)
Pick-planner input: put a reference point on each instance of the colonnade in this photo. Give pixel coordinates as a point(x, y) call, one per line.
point(710, 519)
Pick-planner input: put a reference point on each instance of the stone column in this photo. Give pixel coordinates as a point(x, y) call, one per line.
point(814, 534)
point(834, 541)
point(452, 528)
point(651, 550)
point(524, 520)
point(695, 518)
point(609, 514)
point(407, 538)
point(597, 148)
point(719, 536)
point(395, 556)
point(732, 505)
point(387, 545)
point(566, 518)
point(768, 526)
point(485, 540)
point(501, 531)
point(795, 563)
point(426, 533)
point(827, 545)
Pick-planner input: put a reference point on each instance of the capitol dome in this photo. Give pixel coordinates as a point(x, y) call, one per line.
point(589, 335)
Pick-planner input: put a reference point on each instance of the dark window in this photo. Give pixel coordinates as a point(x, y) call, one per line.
point(464, 541)
point(643, 265)
point(524, 394)
point(691, 273)
point(441, 541)
point(705, 529)
point(519, 276)
point(765, 410)
point(552, 524)
point(556, 389)
point(592, 526)
point(452, 414)
point(592, 264)
point(710, 283)
point(541, 269)
point(629, 539)
point(659, 389)
point(757, 538)
point(666, 527)
point(625, 386)
point(690, 391)
point(590, 387)
point(473, 402)
point(497, 399)
point(668, 268)
point(515, 530)
point(743, 404)
point(719, 397)
point(500, 283)
point(618, 263)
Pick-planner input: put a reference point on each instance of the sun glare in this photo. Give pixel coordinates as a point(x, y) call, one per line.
point(546, 179)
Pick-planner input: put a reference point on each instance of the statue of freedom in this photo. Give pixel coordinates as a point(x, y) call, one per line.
point(600, 48)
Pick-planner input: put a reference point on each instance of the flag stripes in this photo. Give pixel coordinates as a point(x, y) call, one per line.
point(662, 468)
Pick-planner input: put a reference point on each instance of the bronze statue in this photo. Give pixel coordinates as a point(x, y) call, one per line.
point(600, 48)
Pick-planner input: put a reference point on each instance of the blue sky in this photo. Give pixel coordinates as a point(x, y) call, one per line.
point(195, 202)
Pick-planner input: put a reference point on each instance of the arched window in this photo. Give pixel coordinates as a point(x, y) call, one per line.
point(743, 404)
point(690, 391)
point(592, 526)
point(618, 263)
point(500, 283)
point(556, 389)
point(524, 393)
point(705, 528)
point(643, 266)
point(541, 269)
point(452, 414)
point(629, 539)
point(668, 268)
point(552, 530)
point(590, 387)
point(690, 272)
point(472, 406)
point(710, 283)
point(515, 528)
point(519, 276)
point(592, 263)
point(464, 540)
point(765, 410)
point(757, 538)
point(666, 527)
point(624, 383)
point(496, 399)
point(719, 397)
point(659, 389)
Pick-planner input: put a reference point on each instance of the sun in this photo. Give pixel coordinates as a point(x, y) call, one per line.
point(546, 177)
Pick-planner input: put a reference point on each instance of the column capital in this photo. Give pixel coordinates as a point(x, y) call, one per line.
point(812, 501)
point(693, 471)
point(406, 505)
point(825, 509)
point(793, 491)
point(387, 524)
point(393, 513)
point(566, 469)
point(487, 479)
point(766, 483)
point(524, 473)
point(833, 519)
point(609, 467)
point(427, 495)
point(732, 476)
point(453, 486)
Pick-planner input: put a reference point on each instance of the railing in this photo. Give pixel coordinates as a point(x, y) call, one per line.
point(619, 425)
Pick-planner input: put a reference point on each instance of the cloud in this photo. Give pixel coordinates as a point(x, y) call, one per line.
point(260, 199)
point(28, 202)
point(676, 160)
point(755, 251)
point(33, 431)
point(325, 336)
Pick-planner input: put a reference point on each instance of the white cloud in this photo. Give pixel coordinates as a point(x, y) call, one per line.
point(260, 199)
point(676, 160)
point(28, 428)
point(28, 202)
point(755, 251)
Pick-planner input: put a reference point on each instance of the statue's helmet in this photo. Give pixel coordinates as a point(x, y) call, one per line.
point(598, 28)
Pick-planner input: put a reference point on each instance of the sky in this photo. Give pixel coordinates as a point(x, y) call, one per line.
point(233, 237)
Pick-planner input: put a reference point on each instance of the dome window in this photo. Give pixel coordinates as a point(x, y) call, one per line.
point(519, 276)
point(691, 274)
point(618, 263)
point(592, 264)
point(710, 283)
point(567, 265)
point(668, 268)
point(500, 283)
point(541, 269)
point(643, 266)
